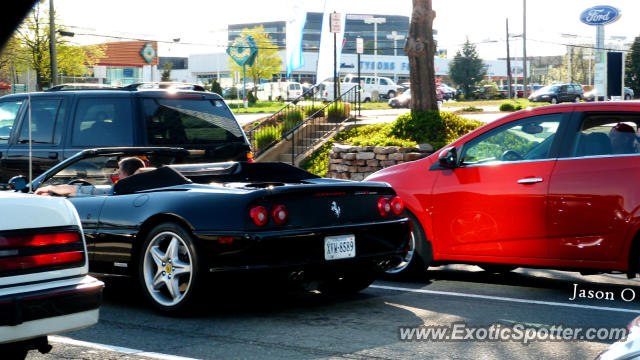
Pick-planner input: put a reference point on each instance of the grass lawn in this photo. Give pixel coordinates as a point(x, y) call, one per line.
point(258, 107)
point(476, 103)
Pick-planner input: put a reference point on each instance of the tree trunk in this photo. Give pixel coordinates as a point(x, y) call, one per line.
point(420, 49)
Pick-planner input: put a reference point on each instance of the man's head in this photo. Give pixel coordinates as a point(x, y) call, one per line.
point(622, 138)
point(128, 166)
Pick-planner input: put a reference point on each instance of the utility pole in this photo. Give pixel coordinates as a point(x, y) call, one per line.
point(395, 36)
point(525, 94)
point(52, 45)
point(508, 64)
point(375, 21)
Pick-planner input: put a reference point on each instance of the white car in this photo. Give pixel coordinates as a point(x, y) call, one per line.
point(44, 286)
point(377, 86)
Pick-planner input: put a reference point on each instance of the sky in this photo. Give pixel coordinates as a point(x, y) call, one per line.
point(201, 24)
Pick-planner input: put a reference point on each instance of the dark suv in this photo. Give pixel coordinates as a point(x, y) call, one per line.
point(64, 122)
point(558, 93)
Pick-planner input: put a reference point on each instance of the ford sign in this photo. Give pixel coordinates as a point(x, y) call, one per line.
point(600, 15)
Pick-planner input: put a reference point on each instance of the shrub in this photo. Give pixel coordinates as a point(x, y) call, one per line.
point(433, 127)
point(338, 110)
point(267, 135)
point(215, 87)
point(507, 106)
point(251, 99)
point(232, 93)
point(291, 119)
point(471, 109)
point(311, 110)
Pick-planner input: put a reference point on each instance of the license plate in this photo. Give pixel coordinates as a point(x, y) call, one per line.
point(339, 247)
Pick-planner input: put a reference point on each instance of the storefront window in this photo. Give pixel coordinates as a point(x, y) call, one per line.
point(123, 76)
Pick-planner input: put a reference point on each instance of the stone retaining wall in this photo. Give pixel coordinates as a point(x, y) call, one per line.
point(357, 162)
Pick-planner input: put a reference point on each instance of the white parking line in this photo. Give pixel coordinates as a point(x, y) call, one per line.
point(500, 298)
point(119, 349)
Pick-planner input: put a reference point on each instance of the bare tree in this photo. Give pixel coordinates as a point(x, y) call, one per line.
point(420, 49)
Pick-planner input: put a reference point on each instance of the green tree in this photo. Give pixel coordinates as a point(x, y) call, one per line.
point(215, 87)
point(579, 67)
point(33, 38)
point(467, 68)
point(632, 67)
point(166, 72)
point(268, 60)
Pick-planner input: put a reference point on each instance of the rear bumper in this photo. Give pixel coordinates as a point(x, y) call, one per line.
point(50, 310)
point(305, 249)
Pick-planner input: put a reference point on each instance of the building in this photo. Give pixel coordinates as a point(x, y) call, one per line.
point(390, 60)
point(127, 62)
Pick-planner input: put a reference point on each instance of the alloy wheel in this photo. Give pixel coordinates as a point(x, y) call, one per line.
point(167, 268)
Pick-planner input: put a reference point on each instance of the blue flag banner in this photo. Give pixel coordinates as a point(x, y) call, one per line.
point(325, 53)
point(295, 26)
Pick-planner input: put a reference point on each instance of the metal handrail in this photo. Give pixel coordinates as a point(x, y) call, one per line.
point(308, 121)
point(293, 102)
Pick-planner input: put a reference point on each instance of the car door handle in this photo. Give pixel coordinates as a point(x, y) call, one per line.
point(53, 155)
point(529, 181)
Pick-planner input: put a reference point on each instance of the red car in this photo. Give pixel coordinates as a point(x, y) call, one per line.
point(555, 186)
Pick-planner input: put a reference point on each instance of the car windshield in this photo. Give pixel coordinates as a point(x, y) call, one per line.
point(550, 88)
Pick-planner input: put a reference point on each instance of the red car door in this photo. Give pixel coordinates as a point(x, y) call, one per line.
point(495, 202)
point(593, 194)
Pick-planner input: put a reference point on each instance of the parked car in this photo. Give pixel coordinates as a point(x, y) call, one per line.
point(377, 86)
point(404, 99)
point(65, 122)
point(401, 101)
point(279, 91)
point(626, 349)
point(44, 286)
point(591, 95)
point(552, 186)
point(558, 93)
point(171, 227)
point(448, 93)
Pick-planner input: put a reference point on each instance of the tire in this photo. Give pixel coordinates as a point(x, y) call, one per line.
point(14, 351)
point(347, 284)
point(627, 97)
point(554, 100)
point(169, 268)
point(418, 256)
point(366, 100)
point(391, 94)
point(498, 268)
point(577, 99)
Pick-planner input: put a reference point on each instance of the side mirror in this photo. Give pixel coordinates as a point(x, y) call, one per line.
point(18, 183)
point(448, 158)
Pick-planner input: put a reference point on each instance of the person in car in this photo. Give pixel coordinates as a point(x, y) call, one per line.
point(623, 138)
point(126, 167)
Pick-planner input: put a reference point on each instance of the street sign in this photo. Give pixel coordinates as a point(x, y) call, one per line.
point(336, 22)
point(359, 46)
point(148, 52)
point(243, 50)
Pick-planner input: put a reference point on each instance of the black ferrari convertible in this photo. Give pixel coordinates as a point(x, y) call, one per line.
point(172, 226)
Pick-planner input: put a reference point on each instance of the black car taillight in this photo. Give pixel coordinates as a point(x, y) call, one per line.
point(259, 215)
point(384, 206)
point(40, 251)
point(279, 214)
point(397, 205)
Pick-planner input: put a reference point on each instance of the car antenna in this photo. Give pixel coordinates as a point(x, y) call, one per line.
point(30, 154)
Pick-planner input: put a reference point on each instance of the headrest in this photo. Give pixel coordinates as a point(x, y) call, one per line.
point(159, 178)
point(622, 127)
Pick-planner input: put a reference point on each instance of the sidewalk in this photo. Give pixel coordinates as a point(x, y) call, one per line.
point(489, 114)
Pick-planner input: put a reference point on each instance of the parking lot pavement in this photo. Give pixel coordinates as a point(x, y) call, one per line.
point(257, 322)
